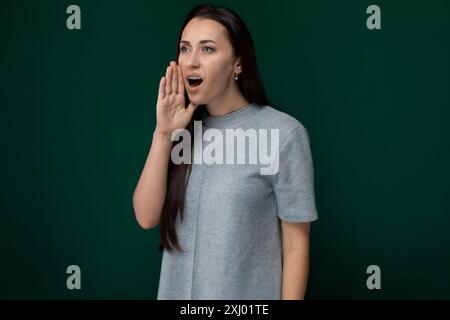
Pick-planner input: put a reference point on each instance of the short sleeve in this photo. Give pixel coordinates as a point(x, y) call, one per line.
point(293, 184)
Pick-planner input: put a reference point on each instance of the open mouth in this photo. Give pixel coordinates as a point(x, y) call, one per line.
point(194, 81)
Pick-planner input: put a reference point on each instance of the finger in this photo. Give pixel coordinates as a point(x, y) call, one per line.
point(169, 80)
point(180, 81)
point(174, 78)
point(192, 107)
point(161, 91)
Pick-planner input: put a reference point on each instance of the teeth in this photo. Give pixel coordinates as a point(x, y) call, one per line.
point(194, 78)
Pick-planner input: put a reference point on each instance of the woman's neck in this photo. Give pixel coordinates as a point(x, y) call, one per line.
point(227, 103)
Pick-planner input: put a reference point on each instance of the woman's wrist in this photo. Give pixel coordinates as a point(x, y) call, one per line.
point(162, 135)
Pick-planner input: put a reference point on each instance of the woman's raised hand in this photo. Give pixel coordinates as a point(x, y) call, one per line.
point(171, 112)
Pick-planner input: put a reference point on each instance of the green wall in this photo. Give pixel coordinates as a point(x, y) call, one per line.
point(78, 112)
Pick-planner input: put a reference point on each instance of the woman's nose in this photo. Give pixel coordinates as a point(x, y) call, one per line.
point(192, 60)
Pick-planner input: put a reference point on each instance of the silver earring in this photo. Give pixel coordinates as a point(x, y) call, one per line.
point(236, 76)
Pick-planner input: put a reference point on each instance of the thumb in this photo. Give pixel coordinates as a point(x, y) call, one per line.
point(191, 108)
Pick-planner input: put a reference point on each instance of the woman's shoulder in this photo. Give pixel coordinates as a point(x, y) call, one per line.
point(272, 117)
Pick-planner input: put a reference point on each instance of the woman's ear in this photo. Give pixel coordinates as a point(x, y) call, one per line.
point(237, 65)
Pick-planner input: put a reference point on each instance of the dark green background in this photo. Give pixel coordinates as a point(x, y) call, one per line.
point(78, 112)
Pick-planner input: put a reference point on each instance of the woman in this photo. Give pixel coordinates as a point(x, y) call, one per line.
point(227, 230)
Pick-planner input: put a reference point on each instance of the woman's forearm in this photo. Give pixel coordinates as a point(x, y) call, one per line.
point(150, 192)
point(295, 274)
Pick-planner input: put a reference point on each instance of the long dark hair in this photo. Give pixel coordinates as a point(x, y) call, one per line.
point(251, 87)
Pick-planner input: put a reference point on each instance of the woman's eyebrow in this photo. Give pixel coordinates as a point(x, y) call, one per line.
point(201, 41)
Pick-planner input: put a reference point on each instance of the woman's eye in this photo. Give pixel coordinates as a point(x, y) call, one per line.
point(210, 49)
point(183, 49)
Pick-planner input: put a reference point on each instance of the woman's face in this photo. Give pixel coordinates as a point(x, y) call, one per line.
point(206, 52)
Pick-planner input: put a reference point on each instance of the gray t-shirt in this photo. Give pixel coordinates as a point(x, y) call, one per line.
point(231, 228)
